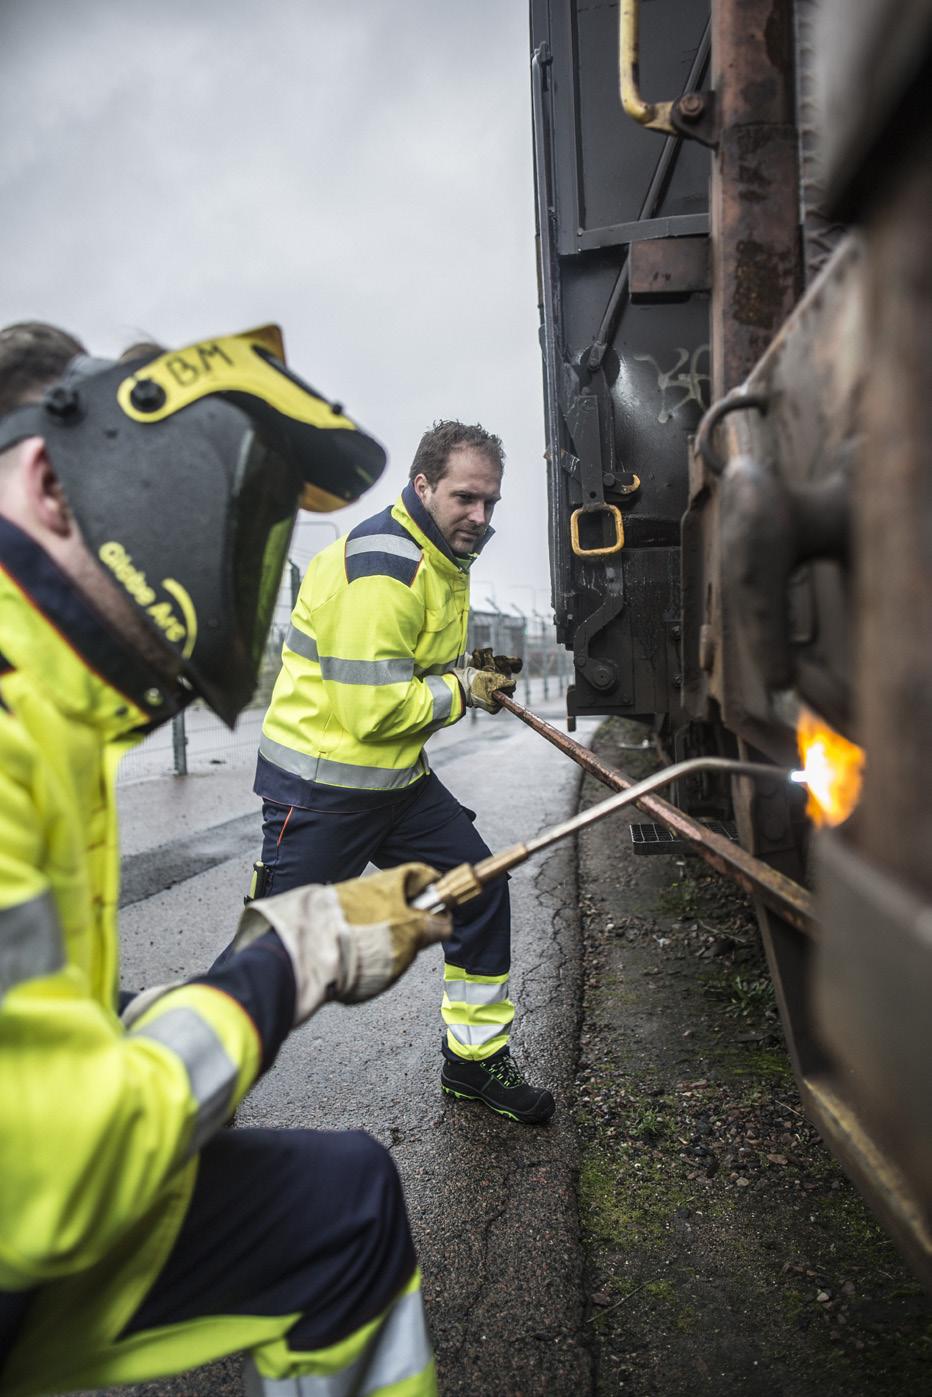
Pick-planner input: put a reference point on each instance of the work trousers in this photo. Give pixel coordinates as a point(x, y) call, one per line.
point(427, 823)
point(295, 1246)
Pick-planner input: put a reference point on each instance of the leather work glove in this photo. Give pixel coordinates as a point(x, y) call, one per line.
point(348, 941)
point(503, 664)
point(478, 686)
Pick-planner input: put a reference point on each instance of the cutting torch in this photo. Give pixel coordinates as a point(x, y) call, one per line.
point(467, 880)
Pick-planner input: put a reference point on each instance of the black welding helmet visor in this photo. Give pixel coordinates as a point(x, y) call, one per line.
point(185, 474)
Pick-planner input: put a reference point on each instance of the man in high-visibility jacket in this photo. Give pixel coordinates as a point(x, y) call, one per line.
point(145, 512)
point(373, 663)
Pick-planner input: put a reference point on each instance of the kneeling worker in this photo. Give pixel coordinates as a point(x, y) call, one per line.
point(145, 515)
point(373, 663)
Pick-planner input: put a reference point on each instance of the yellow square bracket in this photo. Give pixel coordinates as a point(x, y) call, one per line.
point(617, 543)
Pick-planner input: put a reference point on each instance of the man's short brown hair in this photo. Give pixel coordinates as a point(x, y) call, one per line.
point(33, 355)
point(432, 456)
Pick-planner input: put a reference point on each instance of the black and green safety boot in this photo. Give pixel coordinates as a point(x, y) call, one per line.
point(498, 1082)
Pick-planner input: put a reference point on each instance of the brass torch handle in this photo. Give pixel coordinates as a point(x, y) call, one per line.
point(467, 880)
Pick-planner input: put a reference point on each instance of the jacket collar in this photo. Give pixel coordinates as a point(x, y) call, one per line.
point(53, 634)
point(411, 506)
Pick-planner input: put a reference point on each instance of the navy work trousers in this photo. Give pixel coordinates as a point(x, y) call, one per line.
point(424, 823)
point(285, 1221)
point(281, 1223)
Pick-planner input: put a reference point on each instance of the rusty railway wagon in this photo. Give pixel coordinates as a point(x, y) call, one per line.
point(734, 202)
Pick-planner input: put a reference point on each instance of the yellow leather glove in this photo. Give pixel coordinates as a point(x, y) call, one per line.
point(479, 685)
point(348, 941)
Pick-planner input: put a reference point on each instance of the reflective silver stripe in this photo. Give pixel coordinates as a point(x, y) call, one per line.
point(384, 543)
point(476, 1035)
point(211, 1071)
point(399, 1350)
point(31, 942)
point(366, 671)
point(301, 643)
point(443, 698)
point(365, 778)
point(445, 668)
point(468, 992)
point(398, 671)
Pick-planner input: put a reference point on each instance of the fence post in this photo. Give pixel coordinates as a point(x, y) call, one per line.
point(179, 744)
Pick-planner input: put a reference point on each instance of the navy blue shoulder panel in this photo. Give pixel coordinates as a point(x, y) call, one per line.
point(381, 523)
point(381, 547)
point(378, 564)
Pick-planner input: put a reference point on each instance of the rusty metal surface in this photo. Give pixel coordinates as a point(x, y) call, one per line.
point(821, 233)
point(872, 983)
point(893, 532)
point(767, 535)
point(872, 986)
point(665, 268)
point(726, 857)
point(756, 273)
point(754, 209)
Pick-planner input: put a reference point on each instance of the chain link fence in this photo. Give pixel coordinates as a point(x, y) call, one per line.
point(533, 639)
point(197, 741)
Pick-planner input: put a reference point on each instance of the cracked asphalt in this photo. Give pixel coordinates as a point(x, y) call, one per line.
point(492, 1203)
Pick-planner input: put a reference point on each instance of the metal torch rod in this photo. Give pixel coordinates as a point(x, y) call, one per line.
point(778, 892)
point(467, 881)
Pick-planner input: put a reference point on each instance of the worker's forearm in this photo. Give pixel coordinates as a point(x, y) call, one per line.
point(393, 711)
point(261, 979)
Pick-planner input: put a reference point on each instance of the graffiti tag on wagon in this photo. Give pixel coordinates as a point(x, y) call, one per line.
point(683, 383)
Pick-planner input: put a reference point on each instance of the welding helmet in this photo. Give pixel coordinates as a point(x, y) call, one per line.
point(185, 472)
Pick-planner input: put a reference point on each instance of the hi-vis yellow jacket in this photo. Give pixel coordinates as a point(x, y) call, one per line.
point(380, 621)
point(98, 1126)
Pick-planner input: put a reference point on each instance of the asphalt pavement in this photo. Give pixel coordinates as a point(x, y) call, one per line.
point(492, 1203)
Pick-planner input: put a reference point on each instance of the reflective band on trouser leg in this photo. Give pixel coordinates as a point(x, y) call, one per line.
point(211, 1072)
point(391, 1354)
point(477, 1012)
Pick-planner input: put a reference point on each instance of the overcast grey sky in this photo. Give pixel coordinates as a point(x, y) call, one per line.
point(359, 172)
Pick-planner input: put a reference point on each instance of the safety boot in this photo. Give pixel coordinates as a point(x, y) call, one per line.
point(498, 1082)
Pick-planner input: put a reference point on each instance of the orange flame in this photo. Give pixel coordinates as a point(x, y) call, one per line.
point(833, 769)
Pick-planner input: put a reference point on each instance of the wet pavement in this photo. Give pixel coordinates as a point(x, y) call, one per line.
point(492, 1203)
